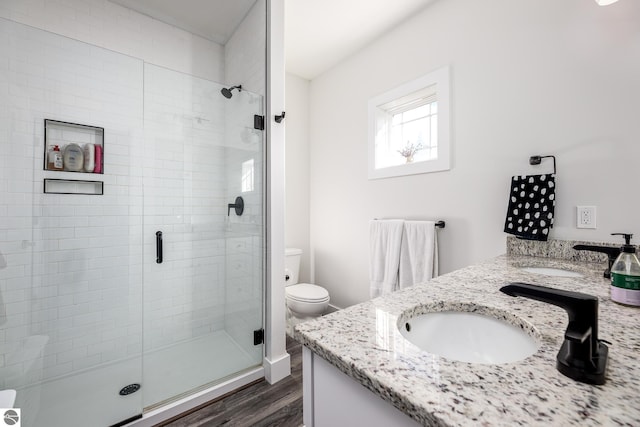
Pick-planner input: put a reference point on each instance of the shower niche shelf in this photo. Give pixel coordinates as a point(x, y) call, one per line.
point(73, 186)
point(80, 148)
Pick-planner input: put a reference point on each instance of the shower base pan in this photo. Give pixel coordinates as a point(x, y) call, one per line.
point(92, 397)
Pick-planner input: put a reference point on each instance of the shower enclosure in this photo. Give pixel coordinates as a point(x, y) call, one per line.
point(125, 287)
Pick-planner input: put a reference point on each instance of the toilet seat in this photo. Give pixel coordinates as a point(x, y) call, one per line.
point(306, 292)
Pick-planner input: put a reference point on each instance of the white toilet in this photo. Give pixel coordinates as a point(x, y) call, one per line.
point(304, 300)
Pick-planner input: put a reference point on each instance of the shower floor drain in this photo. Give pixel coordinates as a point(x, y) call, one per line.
point(128, 389)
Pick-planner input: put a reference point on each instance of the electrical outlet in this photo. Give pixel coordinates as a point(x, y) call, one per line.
point(586, 217)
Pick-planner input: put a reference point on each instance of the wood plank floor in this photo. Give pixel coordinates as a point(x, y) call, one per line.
point(260, 404)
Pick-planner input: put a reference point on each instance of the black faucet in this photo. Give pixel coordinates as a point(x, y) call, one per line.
point(582, 357)
point(612, 253)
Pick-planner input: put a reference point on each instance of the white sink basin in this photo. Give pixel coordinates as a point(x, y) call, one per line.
point(557, 272)
point(468, 337)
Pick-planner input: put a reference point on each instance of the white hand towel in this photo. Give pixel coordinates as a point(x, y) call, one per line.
point(418, 253)
point(384, 255)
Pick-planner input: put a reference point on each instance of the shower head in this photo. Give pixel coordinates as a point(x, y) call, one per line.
point(227, 91)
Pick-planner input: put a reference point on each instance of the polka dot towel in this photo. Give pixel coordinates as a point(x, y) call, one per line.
point(531, 204)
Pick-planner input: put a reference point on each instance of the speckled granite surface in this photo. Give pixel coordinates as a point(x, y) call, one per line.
point(559, 249)
point(363, 341)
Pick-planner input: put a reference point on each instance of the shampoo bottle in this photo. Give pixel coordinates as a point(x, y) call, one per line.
point(625, 274)
point(98, 159)
point(89, 152)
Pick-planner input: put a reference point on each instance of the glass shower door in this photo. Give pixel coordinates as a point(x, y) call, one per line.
point(70, 264)
point(203, 292)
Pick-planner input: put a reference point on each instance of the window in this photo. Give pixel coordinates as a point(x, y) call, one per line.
point(409, 128)
point(247, 176)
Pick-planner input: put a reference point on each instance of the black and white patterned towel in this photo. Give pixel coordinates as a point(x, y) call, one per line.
point(531, 204)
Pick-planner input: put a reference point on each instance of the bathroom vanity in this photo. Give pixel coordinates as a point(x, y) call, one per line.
point(358, 369)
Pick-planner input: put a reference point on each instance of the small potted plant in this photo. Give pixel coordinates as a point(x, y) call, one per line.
point(410, 150)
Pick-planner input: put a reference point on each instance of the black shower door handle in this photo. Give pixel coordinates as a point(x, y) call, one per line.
point(159, 247)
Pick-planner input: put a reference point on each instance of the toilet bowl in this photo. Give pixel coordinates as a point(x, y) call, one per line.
point(304, 300)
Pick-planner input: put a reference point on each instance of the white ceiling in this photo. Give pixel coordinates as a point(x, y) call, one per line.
point(318, 33)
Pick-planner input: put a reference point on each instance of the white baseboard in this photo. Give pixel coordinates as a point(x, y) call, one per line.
point(276, 370)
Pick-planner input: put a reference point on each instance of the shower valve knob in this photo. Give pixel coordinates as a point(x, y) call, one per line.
point(238, 206)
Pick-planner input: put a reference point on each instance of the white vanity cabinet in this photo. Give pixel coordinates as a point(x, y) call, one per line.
point(331, 398)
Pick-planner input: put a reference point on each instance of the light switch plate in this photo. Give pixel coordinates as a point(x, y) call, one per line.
point(586, 217)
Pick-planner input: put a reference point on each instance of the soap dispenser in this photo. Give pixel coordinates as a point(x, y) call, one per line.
point(625, 274)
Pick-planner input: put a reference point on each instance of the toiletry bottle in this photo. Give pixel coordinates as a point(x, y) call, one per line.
point(49, 158)
point(98, 159)
point(73, 158)
point(55, 159)
point(89, 157)
point(625, 274)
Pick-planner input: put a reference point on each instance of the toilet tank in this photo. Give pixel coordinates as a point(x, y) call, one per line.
point(292, 265)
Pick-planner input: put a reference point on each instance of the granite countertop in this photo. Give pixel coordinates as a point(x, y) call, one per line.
point(363, 342)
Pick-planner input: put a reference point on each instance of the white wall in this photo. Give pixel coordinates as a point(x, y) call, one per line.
point(297, 169)
point(244, 58)
point(528, 77)
point(277, 363)
point(105, 24)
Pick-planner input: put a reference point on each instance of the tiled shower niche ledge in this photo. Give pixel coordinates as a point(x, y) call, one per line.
point(63, 134)
point(73, 186)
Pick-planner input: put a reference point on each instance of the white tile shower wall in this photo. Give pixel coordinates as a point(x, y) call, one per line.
point(245, 52)
point(72, 281)
point(106, 24)
point(65, 224)
point(244, 291)
point(184, 173)
point(245, 63)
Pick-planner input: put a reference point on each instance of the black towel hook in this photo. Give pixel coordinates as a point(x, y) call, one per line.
point(536, 160)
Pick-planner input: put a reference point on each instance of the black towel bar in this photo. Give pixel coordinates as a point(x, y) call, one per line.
point(438, 224)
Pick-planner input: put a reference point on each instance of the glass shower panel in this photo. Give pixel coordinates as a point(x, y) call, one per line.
point(244, 249)
point(70, 264)
point(192, 171)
